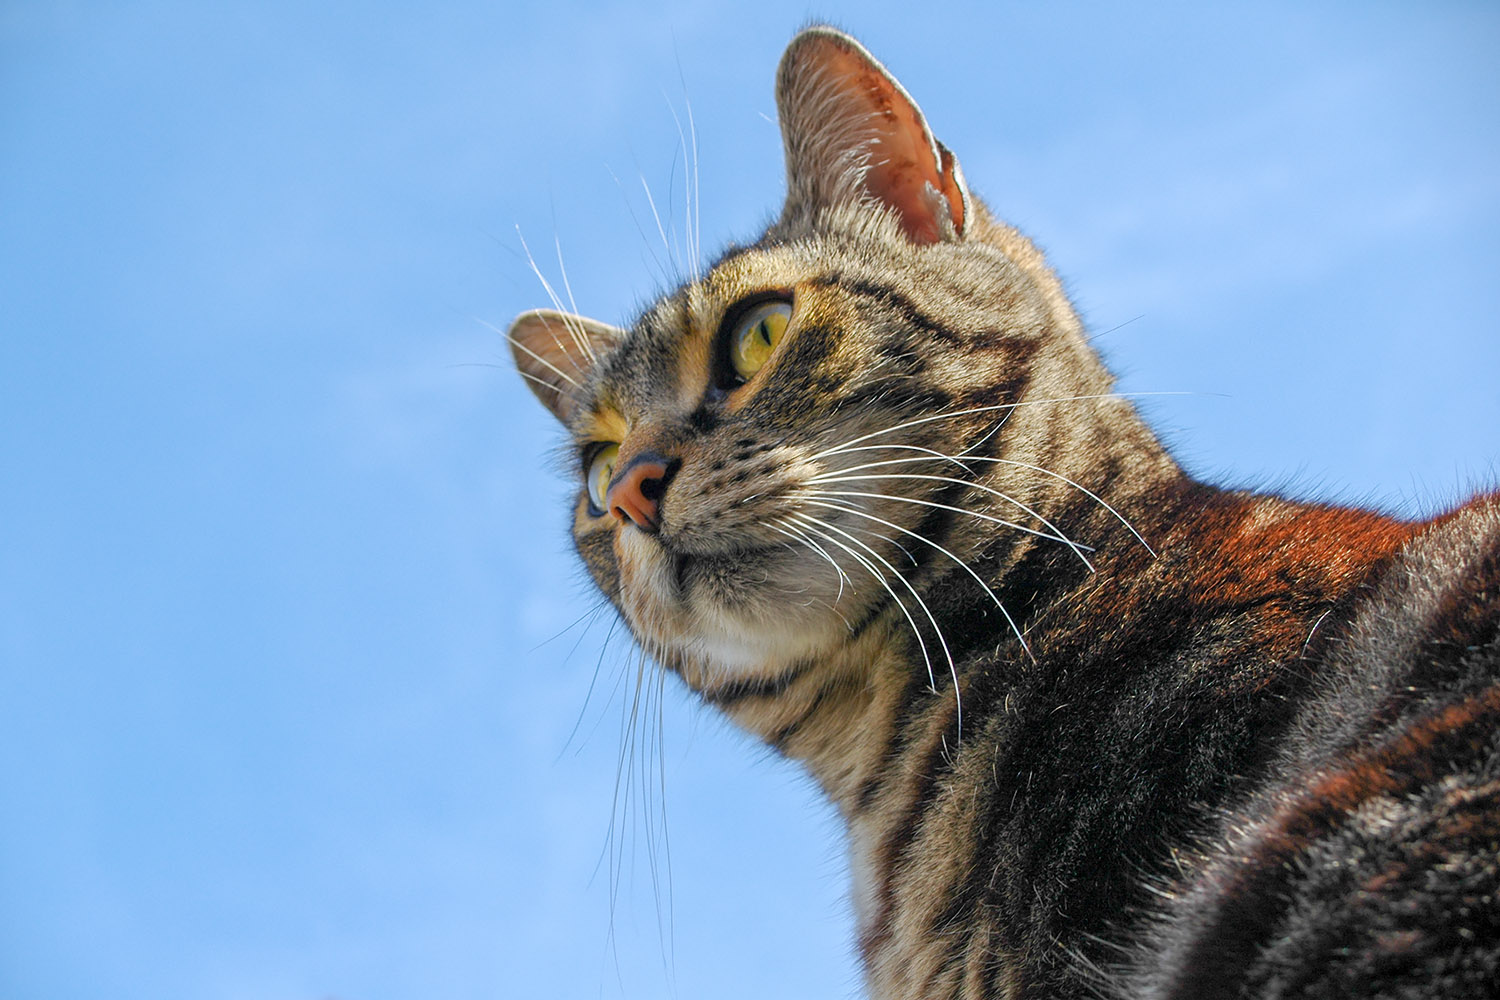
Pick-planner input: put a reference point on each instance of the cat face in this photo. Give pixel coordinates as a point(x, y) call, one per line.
point(781, 453)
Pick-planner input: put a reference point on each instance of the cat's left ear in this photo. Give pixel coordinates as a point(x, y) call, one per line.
point(852, 133)
point(554, 352)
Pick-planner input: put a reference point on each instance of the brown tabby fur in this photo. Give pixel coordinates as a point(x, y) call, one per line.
point(1250, 751)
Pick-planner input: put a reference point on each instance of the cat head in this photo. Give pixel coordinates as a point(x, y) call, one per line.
point(778, 456)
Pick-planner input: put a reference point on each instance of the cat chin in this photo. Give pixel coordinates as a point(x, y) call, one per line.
point(741, 649)
point(729, 616)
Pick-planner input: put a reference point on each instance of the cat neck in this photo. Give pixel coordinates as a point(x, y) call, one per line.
point(845, 714)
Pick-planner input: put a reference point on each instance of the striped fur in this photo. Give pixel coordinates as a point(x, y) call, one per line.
point(1094, 728)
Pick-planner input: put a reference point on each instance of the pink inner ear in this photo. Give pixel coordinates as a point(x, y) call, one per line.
point(903, 172)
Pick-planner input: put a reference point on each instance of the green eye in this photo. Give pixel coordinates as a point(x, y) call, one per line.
point(601, 471)
point(756, 335)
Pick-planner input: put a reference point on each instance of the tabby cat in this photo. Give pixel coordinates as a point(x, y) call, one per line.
point(1094, 728)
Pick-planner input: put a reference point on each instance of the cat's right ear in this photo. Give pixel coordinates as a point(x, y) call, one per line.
point(554, 352)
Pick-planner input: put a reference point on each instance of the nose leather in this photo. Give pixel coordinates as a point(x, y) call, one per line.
point(636, 492)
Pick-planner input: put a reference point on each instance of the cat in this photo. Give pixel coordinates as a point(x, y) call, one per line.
point(1093, 728)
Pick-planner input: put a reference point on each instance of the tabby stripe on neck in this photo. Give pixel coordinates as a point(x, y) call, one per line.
point(937, 726)
point(728, 695)
point(915, 688)
point(783, 736)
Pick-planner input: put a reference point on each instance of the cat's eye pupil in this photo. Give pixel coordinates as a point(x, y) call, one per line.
point(601, 470)
point(754, 337)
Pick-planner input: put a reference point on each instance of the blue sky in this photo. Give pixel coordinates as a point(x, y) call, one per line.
point(294, 702)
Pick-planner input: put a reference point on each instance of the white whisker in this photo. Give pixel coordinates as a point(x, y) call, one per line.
point(697, 190)
point(572, 303)
point(533, 355)
point(931, 454)
point(810, 523)
point(671, 255)
point(690, 185)
point(695, 214)
point(788, 530)
point(588, 695)
point(943, 506)
point(661, 269)
point(949, 415)
point(965, 457)
point(539, 381)
point(936, 628)
point(852, 509)
point(1058, 532)
point(1082, 489)
point(575, 332)
point(801, 538)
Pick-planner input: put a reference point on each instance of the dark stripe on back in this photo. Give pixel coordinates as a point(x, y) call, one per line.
point(1254, 896)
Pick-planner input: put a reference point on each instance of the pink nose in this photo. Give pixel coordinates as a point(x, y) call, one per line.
point(635, 495)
